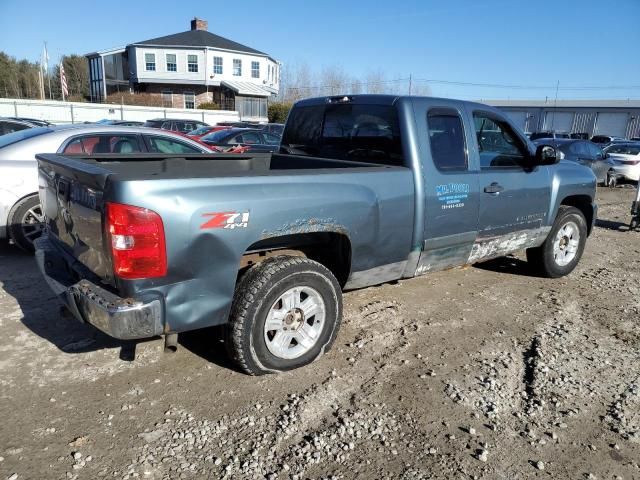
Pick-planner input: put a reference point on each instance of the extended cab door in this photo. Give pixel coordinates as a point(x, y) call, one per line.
point(450, 178)
point(514, 198)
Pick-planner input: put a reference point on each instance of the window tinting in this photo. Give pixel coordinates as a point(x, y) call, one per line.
point(99, 144)
point(165, 145)
point(446, 137)
point(498, 144)
point(362, 133)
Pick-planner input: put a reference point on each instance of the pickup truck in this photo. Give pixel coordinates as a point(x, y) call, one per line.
point(365, 189)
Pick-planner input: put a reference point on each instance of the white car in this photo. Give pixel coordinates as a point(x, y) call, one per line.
point(626, 158)
point(20, 211)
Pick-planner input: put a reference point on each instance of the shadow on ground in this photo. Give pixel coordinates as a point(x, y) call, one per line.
point(611, 225)
point(20, 278)
point(510, 265)
point(208, 344)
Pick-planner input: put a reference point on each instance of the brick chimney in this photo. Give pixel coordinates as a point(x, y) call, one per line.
point(198, 24)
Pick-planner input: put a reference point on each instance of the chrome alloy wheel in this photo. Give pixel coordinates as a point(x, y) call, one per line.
point(32, 223)
point(294, 322)
point(565, 245)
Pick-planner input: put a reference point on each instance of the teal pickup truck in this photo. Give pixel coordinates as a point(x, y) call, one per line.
point(365, 189)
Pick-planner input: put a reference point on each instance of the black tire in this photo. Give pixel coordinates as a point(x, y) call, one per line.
point(542, 258)
point(258, 291)
point(24, 226)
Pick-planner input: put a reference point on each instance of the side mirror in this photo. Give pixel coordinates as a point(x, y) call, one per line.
point(546, 155)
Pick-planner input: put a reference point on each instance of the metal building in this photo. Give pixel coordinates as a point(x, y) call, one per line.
point(620, 118)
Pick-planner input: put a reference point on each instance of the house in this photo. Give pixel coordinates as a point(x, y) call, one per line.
point(189, 68)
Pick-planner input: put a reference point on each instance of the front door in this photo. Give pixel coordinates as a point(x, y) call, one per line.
point(450, 179)
point(514, 198)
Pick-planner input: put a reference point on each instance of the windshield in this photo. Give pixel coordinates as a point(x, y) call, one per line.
point(216, 136)
point(366, 133)
point(200, 131)
point(11, 138)
point(600, 139)
point(622, 149)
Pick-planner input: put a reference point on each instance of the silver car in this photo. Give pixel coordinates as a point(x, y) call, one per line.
point(20, 211)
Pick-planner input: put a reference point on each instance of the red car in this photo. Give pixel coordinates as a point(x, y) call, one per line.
point(213, 148)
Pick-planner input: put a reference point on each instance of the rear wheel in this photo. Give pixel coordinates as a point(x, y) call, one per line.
point(286, 313)
point(26, 222)
point(563, 248)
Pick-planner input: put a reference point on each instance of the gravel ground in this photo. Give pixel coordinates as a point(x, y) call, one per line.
point(479, 372)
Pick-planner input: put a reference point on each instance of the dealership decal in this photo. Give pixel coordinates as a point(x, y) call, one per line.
point(452, 195)
point(228, 220)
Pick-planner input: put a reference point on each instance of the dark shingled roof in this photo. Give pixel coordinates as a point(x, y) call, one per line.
point(200, 38)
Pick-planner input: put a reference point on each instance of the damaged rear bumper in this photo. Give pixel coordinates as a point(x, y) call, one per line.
point(118, 317)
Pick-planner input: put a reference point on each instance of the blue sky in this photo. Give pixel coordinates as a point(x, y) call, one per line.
point(586, 43)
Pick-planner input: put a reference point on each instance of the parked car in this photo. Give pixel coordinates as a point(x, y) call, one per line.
point(626, 159)
point(553, 135)
point(237, 124)
point(122, 123)
point(635, 139)
point(34, 121)
point(10, 125)
point(273, 128)
point(202, 131)
point(256, 140)
point(583, 152)
point(606, 140)
point(367, 189)
point(175, 124)
point(20, 211)
point(580, 135)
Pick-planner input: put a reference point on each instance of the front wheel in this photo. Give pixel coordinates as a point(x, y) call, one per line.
point(286, 313)
point(563, 248)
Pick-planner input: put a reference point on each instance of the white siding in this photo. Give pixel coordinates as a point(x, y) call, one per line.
point(559, 121)
point(205, 67)
point(612, 124)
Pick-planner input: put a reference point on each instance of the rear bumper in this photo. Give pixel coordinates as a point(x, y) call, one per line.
point(118, 317)
point(630, 172)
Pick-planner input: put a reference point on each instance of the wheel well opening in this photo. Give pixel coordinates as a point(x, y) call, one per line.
point(333, 250)
point(582, 203)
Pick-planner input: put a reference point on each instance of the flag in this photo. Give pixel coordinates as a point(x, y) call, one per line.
point(63, 82)
point(44, 59)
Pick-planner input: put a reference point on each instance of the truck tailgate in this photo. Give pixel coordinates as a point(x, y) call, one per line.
point(71, 193)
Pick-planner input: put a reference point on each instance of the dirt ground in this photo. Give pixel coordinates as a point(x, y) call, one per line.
point(480, 372)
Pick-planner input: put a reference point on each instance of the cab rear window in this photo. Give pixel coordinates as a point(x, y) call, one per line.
point(364, 133)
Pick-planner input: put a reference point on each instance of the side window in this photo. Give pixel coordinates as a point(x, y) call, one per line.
point(166, 145)
point(10, 127)
point(499, 146)
point(271, 139)
point(100, 144)
point(594, 150)
point(446, 137)
point(251, 138)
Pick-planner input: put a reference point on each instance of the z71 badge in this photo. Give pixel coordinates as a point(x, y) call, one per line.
point(228, 220)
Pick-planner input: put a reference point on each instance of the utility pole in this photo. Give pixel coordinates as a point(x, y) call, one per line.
point(410, 81)
point(48, 76)
point(555, 105)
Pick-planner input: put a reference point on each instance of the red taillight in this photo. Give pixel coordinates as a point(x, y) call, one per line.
point(137, 241)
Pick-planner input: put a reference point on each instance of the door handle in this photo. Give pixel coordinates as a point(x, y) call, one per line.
point(494, 188)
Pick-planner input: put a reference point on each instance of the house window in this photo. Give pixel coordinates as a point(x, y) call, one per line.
point(171, 62)
point(237, 67)
point(255, 69)
point(217, 65)
point(167, 98)
point(150, 62)
point(189, 100)
point(192, 63)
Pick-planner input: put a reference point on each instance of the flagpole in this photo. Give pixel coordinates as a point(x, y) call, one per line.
point(48, 76)
point(62, 80)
